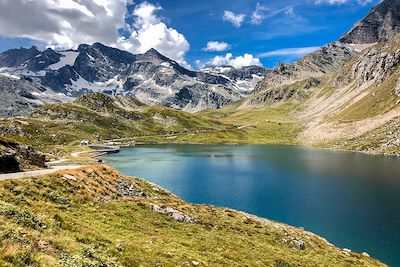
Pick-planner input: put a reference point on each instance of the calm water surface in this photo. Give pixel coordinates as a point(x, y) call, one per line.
point(353, 200)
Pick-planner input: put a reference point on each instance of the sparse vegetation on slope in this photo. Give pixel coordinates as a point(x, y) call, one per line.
point(275, 125)
point(382, 140)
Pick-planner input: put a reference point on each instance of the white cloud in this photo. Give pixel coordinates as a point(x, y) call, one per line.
point(237, 62)
point(262, 13)
point(149, 32)
point(340, 2)
point(297, 51)
point(199, 64)
point(64, 24)
point(258, 14)
point(235, 19)
point(216, 46)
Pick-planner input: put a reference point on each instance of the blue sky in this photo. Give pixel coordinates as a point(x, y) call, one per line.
point(268, 31)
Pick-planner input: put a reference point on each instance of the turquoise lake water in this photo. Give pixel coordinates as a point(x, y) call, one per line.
point(351, 199)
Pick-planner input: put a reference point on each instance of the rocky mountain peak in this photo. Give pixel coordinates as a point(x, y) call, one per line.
point(380, 25)
point(18, 56)
point(154, 54)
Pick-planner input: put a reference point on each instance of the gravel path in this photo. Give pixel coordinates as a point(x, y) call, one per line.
point(19, 175)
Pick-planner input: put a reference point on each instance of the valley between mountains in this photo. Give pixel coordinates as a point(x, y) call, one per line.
point(344, 96)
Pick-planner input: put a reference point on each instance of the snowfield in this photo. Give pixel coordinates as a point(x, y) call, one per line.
point(67, 58)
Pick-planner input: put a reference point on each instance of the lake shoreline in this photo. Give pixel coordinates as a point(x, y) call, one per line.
point(159, 155)
point(369, 153)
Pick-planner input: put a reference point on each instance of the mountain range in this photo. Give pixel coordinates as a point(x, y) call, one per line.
point(50, 76)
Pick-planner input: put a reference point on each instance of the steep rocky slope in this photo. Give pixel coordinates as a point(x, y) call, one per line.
point(326, 60)
point(361, 98)
point(17, 57)
point(380, 25)
point(350, 101)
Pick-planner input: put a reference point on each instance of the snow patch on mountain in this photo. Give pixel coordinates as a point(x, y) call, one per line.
point(67, 58)
point(114, 85)
point(10, 75)
point(217, 70)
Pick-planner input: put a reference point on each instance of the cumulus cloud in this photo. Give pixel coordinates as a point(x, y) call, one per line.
point(298, 51)
point(339, 2)
point(214, 46)
point(237, 62)
point(64, 24)
point(149, 31)
point(235, 19)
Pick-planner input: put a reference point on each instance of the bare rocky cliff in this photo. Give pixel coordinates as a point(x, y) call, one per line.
point(374, 65)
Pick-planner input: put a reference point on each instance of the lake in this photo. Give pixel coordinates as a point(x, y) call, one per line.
point(351, 199)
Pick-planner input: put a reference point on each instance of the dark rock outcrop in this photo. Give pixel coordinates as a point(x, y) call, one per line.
point(17, 57)
point(15, 157)
point(43, 60)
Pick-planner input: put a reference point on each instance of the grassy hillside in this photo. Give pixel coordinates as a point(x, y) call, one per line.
point(94, 216)
point(274, 125)
point(98, 117)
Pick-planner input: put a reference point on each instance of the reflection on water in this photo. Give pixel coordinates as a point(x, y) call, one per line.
point(351, 199)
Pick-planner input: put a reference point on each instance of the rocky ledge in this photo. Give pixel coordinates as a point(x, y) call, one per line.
point(15, 157)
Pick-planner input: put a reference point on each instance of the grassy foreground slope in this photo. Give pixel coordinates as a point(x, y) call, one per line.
point(94, 216)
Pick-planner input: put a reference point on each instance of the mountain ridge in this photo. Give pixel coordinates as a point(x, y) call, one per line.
point(151, 77)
